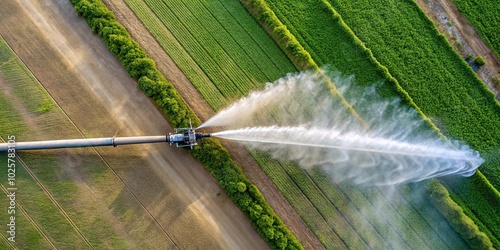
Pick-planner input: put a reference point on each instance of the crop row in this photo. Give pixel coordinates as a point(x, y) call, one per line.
point(167, 41)
point(299, 201)
point(255, 33)
point(222, 52)
point(483, 15)
point(236, 53)
point(359, 57)
point(210, 153)
point(199, 50)
point(249, 55)
point(213, 46)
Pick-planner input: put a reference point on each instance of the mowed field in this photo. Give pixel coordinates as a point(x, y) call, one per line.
point(340, 215)
point(145, 196)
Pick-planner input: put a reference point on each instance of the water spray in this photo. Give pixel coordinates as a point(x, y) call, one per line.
point(295, 119)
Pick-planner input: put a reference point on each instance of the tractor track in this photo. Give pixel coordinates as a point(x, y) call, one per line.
point(25, 213)
point(54, 201)
point(31, 220)
point(8, 242)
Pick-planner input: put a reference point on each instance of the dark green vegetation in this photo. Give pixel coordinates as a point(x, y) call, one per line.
point(215, 158)
point(458, 219)
point(483, 15)
point(428, 74)
point(479, 61)
point(440, 83)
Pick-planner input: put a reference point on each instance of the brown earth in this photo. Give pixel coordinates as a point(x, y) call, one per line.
point(177, 198)
point(452, 23)
point(165, 64)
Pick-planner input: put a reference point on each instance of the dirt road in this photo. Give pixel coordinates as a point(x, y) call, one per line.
point(102, 100)
point(452, 23)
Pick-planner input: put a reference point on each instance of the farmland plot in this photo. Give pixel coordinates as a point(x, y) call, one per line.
point(189, 42)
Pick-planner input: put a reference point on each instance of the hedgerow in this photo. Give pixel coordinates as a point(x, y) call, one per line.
point(281, 34)
point(332, 49)
point(441, 199)
point(210, 153)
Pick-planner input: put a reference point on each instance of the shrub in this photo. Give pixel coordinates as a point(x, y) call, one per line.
point(242, 187)
point(479, 61)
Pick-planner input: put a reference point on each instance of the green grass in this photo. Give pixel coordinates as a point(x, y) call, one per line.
point(26, 86)
point(483, 15)
point(41, 208)
point(27, 236)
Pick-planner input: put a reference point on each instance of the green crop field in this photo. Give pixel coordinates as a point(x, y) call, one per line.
point(231, 55)
point(483, 15)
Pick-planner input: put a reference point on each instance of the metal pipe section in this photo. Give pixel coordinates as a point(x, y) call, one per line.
point(77, 143)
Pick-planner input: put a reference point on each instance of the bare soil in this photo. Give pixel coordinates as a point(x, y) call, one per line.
point(204, 112)
point(452, 23)
point(177, 198)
